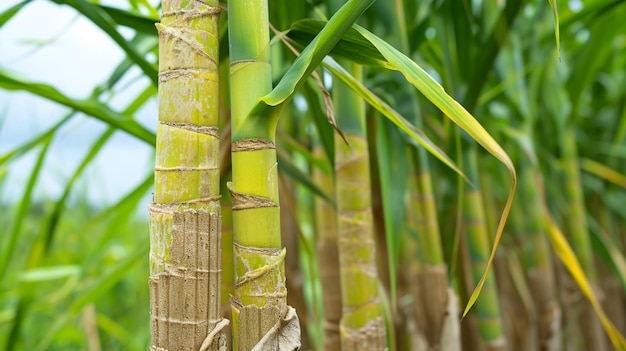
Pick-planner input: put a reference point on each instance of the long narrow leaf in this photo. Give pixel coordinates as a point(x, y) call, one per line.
point(453, 110)
point(10, 240)
point(569, 259)
point(12, 11)
point(90, 107)
point(397, 119)
point(600, 170)
point(310, 58)
point(50, 225)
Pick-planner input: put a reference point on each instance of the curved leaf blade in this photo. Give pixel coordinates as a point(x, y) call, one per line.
point(435, 93)
point(390, 114)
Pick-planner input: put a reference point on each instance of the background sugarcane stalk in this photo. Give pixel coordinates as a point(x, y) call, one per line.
point(581, 316)
point(486, 312)
point(540, 266)
point(185, 247)
point(261, 318)
point(328, 252)
point(361, 326)
point(434, 303)
point(517, 308)
point(289, 228)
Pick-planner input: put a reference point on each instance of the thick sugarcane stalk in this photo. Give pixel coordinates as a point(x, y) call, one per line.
point(328, 253)
point(185, 261)
point(362, 326)
point(262, 320)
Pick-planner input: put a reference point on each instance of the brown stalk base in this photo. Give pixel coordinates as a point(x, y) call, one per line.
point(329, 275)
point(548, 310)
point(185, 280)
point(369, 337)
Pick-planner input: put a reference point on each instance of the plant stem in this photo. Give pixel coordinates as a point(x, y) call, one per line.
point(361, 325)
point(259, 304)
point(185, 243)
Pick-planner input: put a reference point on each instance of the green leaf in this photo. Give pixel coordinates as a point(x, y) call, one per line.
point(390, 113)
point(459, 115)
point(595, 54)
point(557, 35)
point(49, 273)
point(309, 59)
point(324, 129)
point(50, 225)
point(89, 106)
point(391, 152)
point(600, 170)
point(138, 22)
point(10, 240)
point(351, 46)
point(93, 292)
point(12, 11)
point(285, 165)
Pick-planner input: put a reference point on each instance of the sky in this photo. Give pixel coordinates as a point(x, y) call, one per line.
point(52, 44)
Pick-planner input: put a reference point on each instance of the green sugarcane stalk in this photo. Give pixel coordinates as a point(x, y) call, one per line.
point(362, 326)
point(486, 310)
point(434, 302)
point(540, 265)
point(591, 329)
point(261, 318)
point(185, 262)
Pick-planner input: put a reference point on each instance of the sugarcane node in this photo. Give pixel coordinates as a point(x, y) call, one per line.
point(169, 207)
point(243, 201)
point(192, 14)
point(207, 130)
point(165, 76)
point(252, 144)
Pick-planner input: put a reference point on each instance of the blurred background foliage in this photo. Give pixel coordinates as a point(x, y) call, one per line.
point(75, 178)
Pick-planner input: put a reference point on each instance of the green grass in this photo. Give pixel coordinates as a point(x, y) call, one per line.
point(94, 263)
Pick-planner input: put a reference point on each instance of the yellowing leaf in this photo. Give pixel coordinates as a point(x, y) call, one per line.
point(604, 172)
point(567, 256)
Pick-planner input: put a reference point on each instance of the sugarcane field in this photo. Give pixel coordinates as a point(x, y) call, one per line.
point(340, 175)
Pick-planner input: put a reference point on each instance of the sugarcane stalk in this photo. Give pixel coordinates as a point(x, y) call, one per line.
point(588, 322)
point(185, 261)
point(540, 265)
point(362, 326)
point(486, 311)
point(328, 253)
point(262, 320)
point(434, 303)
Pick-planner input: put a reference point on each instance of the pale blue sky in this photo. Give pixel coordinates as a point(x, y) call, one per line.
point(75, 57)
